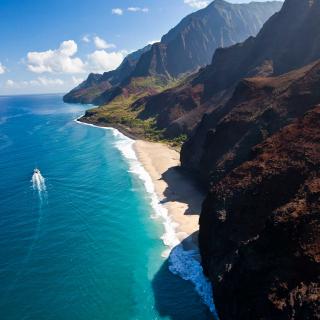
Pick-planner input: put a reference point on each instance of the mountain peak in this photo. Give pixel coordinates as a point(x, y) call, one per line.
point(190, 45)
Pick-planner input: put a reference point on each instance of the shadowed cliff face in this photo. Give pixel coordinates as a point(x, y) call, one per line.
point(258, 108)
point(260, 229)
point(259, 153)
point(289, 40)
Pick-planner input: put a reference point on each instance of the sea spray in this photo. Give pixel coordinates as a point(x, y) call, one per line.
point(184, 263)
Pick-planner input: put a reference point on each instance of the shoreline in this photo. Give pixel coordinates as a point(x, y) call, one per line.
point(124, 130)
point(182, 199)
point(176, 192)
point(176, 201)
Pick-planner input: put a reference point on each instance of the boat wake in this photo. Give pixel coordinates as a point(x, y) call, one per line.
point(40, 195)
point(39, 187)
point(38, 181)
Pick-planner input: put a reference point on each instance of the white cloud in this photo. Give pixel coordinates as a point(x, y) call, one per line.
point(138, 9)
point(197, 4)
point(3, 69)
point(117, 11)
point(101, 61)
point(64, 60)
point(60, 60)
point(102, 44)
point(86, 38)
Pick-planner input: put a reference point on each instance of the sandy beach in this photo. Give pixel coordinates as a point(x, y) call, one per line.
point(176, 192)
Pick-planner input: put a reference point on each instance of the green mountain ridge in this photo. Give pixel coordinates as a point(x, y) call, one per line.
point(181, 51)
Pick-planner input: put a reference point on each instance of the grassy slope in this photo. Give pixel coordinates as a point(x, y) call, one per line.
point(119, 112)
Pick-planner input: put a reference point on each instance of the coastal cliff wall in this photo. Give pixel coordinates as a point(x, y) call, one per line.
point(260, 229)
point(252, 118)
point(259, 155)
point(287, 42)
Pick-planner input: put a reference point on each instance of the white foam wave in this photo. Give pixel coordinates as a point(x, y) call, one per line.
point(38, 182)
point(184, 263)
point(125, 145)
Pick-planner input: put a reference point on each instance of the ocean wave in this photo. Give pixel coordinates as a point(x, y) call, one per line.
point(184, 263)
point(125, 146)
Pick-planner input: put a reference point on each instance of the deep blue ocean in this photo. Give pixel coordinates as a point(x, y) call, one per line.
point(79, 244)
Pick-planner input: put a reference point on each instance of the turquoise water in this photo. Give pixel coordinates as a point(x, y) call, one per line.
point(82, 246)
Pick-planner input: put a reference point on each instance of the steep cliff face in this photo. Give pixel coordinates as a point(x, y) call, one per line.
point(178, 110)
point(192, 42)
point(258, 108)
point(288, 40)
point(258, 150)
point(260, 229)
point(184, 49)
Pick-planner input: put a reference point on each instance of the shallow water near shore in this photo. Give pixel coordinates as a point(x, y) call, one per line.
point(79, 244)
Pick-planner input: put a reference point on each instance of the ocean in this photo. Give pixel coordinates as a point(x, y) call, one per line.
point(81, 239)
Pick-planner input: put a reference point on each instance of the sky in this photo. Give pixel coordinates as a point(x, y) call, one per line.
point(52, 45)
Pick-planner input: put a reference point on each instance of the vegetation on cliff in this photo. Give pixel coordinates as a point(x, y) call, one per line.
point(123, 113)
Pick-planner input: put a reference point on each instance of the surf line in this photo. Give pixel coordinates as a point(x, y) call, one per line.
point(185, 264)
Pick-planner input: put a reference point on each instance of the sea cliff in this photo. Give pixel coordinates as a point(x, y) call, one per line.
point(251, 124)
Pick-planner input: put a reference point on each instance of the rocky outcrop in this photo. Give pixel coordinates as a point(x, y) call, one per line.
point(260, 229)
